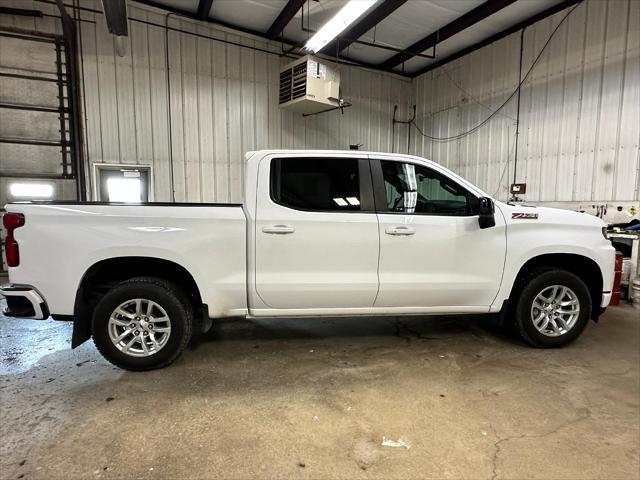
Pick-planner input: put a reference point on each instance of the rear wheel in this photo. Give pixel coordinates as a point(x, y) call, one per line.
point(553, 308)
point(142, 324)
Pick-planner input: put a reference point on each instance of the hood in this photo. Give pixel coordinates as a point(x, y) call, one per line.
point(531, 214)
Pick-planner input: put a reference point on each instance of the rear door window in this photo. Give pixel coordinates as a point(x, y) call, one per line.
point(316, 184)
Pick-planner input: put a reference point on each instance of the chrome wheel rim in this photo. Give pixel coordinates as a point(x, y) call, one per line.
point(555, 310)
point(139, 327)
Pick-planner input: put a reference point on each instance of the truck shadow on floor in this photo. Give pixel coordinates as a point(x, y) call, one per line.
point(409, 328)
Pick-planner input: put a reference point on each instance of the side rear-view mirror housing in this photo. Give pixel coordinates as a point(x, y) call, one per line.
point(486, 213)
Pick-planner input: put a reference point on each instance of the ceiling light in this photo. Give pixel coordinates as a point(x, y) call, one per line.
point(341, 202)
point(345, 17)
point(31, 190)
point(353, 201)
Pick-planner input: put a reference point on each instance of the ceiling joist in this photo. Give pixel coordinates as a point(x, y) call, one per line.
point(382, 11)
point(204, 8)
point(193, 16)
point(22, 12)
point(504, 33)
point(458, 25)
point(283, 19)
point(214, 21)
point(115, 12)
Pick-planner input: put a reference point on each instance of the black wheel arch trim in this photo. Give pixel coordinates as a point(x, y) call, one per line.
point(577, 264)
point(83, 308)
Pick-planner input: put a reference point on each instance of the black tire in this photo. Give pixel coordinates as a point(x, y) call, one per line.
point(165, 294)
point(534, 283)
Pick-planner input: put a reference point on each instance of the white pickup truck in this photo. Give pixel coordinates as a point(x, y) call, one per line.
point(320, 233)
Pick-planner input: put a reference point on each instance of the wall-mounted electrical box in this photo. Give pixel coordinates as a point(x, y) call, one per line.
point(309, 85)
point(518, 188)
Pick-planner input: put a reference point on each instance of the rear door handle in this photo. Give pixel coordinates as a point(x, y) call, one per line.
point(278, 229)
point(399, 230)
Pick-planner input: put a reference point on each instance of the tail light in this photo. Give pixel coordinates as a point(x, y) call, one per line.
point(11, 221)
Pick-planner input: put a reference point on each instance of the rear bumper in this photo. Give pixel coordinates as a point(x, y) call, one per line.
point(23, 301)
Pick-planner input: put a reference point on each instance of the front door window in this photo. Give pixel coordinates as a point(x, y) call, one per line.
point(413, 188)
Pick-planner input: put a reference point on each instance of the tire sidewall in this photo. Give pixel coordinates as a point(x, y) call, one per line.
point(533, 288)
point(120, 294)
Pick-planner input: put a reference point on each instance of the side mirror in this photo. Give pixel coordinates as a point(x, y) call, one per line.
point(486, 211)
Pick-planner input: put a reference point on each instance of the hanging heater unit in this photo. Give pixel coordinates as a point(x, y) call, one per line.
point(309, 85)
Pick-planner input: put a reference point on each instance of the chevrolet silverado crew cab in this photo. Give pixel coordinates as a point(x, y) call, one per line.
point(320, 233)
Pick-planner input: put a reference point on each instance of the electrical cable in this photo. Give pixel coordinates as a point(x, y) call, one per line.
point(469, 95)
point(524, 79)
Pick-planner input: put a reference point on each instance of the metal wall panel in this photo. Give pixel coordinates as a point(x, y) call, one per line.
point(218, 102)
point(223, 102)
point(579, 119)
point(580, 109)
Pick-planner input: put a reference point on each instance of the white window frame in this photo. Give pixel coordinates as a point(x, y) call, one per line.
point(97, 167)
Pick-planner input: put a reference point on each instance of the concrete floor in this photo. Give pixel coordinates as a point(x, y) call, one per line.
point(315, 398)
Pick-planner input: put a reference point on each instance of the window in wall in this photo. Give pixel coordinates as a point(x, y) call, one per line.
point(323, 184)
point(118, 184)
point(418, 189)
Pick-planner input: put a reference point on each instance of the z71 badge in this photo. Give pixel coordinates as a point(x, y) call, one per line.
point(524, 216)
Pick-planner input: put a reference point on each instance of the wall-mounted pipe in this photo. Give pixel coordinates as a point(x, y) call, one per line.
point(515, 155)
point(408, 122)
point(169, 130)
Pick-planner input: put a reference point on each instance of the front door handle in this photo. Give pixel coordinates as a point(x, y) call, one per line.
point(399, 230)
point(278, 229)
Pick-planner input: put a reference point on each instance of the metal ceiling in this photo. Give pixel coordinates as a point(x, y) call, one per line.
point(408, 37)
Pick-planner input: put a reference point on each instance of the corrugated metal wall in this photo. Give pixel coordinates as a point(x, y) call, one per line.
point(580, 109)
point(223, 101)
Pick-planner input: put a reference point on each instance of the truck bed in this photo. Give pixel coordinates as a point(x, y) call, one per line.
point(61, 241)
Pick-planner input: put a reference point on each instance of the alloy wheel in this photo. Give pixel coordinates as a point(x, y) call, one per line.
point(139, 327)
point(555, 310)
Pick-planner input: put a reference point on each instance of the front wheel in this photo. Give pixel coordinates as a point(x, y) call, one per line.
point(553, 308)
point(142, 324)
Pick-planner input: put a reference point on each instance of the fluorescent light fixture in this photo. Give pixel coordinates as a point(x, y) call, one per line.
point(31, 190)
point(334, 27)
point(127, 190)
point(353, 201)
point(340, 201)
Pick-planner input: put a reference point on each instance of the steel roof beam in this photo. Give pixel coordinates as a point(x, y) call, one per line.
point(204, 8)
point(283, 19)
point(115, 12)
point(500, 35)
point(213, 21)
point(476, 15)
